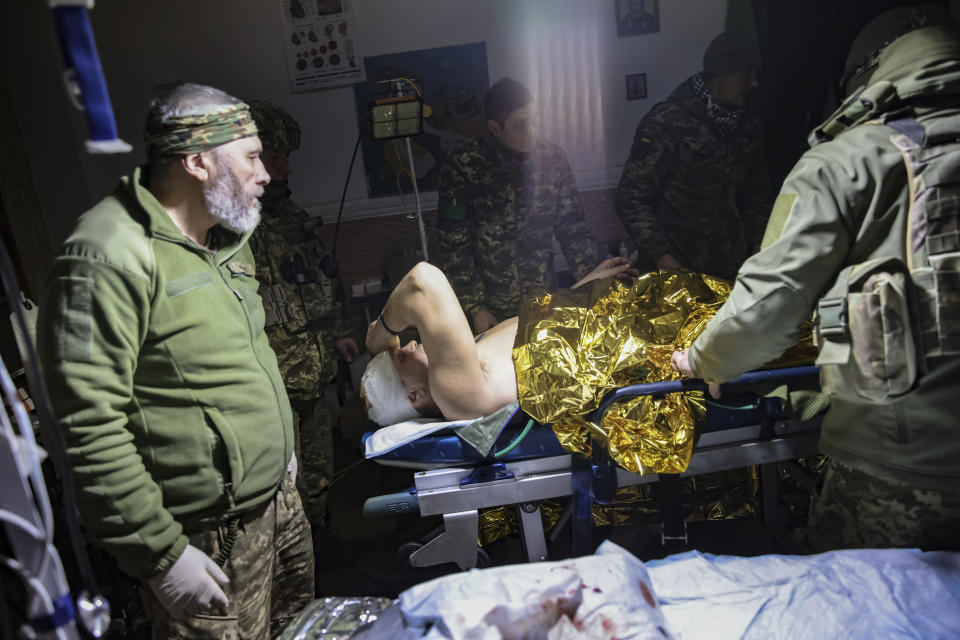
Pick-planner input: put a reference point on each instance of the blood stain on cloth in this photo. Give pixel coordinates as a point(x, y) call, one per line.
point(647, 595)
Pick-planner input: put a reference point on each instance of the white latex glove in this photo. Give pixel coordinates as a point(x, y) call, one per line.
point(292, 467)
point(190, 584)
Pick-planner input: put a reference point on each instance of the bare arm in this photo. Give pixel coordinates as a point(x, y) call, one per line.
point(425, 300)
point(615, 267)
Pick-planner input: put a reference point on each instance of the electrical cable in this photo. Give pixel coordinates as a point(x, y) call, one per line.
point(343, 197)
point(34, 584)
point(339, 475)
point(732, 407)
point(37, 484)
point(39, 502)
point(410, 209)
point(412, 84)
point(23, 524)
point(48, 426)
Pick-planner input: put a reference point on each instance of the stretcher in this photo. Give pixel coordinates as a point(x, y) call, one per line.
point(529, 465)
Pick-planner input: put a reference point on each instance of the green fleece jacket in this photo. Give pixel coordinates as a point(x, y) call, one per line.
point(164, 383)
point(846, 202)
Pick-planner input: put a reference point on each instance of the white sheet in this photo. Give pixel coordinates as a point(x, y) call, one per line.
point(891, 593)
point(874, 594)
point(606, 595)
point(386, 439)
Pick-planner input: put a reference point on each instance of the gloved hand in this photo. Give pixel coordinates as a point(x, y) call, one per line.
point(190, 584)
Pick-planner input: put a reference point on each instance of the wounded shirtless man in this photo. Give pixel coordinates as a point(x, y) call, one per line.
point(451, 373)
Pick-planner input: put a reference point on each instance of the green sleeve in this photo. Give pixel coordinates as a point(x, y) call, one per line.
point(456, 235)
point(578, 244)
point(638, 188)
point(92, 320)
point(778, 288)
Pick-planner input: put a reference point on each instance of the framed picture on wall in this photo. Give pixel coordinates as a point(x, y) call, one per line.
point(637, 86)
point(637, 17)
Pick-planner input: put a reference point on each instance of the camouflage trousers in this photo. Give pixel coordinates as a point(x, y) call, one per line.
point(313, 430)
point(270, 569)
point(854, 509)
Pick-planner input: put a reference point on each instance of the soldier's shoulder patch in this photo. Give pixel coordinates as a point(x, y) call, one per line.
point(240, 268)
point(783, 206)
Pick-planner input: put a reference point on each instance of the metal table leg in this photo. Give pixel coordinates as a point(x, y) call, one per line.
point(457, 543)
point(531, 532)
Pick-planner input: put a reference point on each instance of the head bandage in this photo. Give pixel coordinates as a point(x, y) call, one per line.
point(384, 391)
point(197, 133)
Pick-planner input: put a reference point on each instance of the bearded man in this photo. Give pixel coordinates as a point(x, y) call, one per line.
point(177, 424)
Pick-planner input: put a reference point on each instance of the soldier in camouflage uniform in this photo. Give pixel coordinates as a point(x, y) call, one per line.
point(502, 199)
point(304, 320)
point(694, 192)
point(865, 232)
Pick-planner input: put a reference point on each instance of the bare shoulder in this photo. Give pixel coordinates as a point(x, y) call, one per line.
point(478, 387)
point(467, 378)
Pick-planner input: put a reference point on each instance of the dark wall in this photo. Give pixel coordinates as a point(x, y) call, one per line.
point(804, 45)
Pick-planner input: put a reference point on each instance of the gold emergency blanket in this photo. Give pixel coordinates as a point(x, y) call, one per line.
point(576, 345)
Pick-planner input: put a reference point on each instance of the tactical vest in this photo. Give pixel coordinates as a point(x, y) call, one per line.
point(304, 290)
point(883, 320)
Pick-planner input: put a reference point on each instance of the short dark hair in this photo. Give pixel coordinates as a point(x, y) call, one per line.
point(505, 97)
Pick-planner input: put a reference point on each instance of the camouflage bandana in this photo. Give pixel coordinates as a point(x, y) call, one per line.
point(197, 133)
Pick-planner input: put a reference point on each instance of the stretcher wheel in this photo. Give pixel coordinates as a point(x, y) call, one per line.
point(406, 550)
point(409, 548)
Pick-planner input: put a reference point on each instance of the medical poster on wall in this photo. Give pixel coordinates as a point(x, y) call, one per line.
point(320, 42)
point(453, 81)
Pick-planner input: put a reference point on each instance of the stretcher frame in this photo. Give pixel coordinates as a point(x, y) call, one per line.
point(458, 493)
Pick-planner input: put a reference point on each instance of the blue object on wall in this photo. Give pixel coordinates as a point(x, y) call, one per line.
point(83, 69)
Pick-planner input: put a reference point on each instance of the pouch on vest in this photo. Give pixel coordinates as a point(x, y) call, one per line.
point(864, 330)
point(931, 155)
point(274, 306)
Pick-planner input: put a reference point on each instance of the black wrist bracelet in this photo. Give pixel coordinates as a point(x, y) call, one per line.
point(385, 327)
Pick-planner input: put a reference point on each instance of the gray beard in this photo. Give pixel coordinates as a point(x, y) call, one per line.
point(227, 203)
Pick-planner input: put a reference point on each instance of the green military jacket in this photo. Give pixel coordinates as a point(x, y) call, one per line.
point(692, 191)
point(497, 216)
point(303, 319)
point(846, 202)
point(166, 389)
